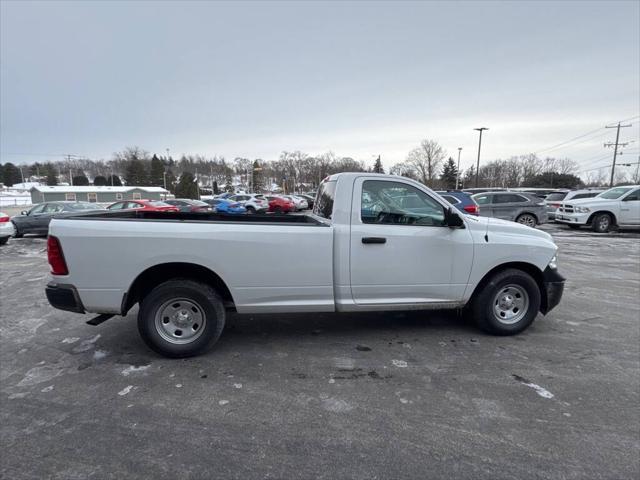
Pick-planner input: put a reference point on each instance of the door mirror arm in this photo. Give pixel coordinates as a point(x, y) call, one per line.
point(452, 219)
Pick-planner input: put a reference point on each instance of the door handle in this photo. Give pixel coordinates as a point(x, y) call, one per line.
point(374, 240)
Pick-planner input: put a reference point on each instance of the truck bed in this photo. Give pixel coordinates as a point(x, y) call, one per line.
point(140, 215)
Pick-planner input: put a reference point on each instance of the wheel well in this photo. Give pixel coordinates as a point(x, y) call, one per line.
point(154, 276)
point(529, 268)
point(593, 215)
point(529, 213)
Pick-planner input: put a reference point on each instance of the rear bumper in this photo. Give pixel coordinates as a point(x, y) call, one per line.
point(553, 284)
point(64, 297)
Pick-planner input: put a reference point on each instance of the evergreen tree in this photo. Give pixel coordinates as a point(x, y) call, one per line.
point(377, 167)
point(1, 173)
point(228, 184)
point(100, 181)
point(11, 174)
point(171, 181)
point(449, 174)
point(256, 177)
point(80, 180)
point(156, 172)
point(114, 180)
point(136, 173)
point(51, 174)
point(187, 187)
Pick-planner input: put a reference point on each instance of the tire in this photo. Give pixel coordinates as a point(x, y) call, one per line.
point(601, 223)
point(181, 318)
point(4, 240)
point(251, 210)
point(278, 210)
point(527, 219)
point(509, 288)
point(17, 234)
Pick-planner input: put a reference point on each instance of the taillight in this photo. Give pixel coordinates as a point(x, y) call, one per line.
point(472, 209)
point(56, 257)
point(4, 219)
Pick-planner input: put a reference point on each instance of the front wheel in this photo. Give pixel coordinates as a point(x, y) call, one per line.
point(527, 219)
point(601, 223)
point(507, 304)
point(251, 210)
point(181, 318)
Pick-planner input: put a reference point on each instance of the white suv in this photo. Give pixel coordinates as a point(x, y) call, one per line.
point(618, 206)
point(254, 203)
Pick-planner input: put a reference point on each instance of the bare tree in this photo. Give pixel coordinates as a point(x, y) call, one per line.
point(426, 161)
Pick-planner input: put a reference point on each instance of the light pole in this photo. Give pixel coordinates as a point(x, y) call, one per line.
point(458, 169)
point(481, 129)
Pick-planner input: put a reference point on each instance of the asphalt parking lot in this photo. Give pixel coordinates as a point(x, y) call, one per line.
point(398, 395)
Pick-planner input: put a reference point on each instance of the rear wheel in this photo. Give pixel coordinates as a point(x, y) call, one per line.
point(527, 219)
point(507, 304)
point(601, 223)
point(251, 210)
point(181, 318)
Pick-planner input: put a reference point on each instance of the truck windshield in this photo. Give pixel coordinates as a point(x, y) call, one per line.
point(324, 201)
point(614, 193)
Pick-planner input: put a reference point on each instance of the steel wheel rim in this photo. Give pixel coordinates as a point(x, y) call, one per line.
point(527, 220)
point(180, 321)
point(510, 304)
point(603, 222)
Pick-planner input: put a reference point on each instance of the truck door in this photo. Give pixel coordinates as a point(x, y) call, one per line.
point(630, 209)
point(400, 250)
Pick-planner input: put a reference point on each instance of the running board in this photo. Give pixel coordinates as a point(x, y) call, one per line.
point(100, 319)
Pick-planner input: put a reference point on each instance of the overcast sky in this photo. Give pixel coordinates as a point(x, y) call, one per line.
point(360, 79)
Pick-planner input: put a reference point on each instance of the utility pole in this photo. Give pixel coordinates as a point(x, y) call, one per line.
point(481, 129)
point(615, 148)
point(458, 169)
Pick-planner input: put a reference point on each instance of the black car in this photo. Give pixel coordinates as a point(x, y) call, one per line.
point(37, 219)
point(310, 200)
point(188, 205)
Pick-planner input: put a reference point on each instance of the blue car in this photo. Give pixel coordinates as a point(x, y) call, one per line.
point(220, 205)
point(461, 200)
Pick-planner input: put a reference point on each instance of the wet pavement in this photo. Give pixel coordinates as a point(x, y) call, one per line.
point(398, 395)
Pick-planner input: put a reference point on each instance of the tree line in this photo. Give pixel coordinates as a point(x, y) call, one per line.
point(292, 171)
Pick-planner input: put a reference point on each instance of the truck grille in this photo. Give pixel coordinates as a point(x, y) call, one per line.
point(566, 208)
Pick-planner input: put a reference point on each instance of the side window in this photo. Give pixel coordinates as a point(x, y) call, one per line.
point(70, 197)
point(584, 195)
point(482, 199)
point(632, 197)
point(116, 206)
point(53, 208)
point(324, 206)
point(386, 202)
point(118, 196)
point(133, 204)
point(450, 199)
point(509, 198)
point(92, 197)
point(137, 196)
point(37, 209)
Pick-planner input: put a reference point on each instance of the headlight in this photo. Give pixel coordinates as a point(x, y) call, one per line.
point(553, 264)
point(581, 210)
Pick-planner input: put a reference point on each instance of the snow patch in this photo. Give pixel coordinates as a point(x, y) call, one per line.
point(70, 340)
point(223, 402)
point(86, 344)
point(133, 369)
point(99, 354)
point(543, 392)
point(399, 363)
point(336, 405)
point(125, 390)
point(47, 389)
point(237, 385)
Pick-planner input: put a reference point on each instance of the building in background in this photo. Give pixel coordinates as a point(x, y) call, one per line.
point(93, 194)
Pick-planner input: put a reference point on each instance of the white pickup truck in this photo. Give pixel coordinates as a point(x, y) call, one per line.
point(616, 207)
point(372, 242)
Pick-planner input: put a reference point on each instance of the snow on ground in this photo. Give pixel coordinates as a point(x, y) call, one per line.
point(8, 200)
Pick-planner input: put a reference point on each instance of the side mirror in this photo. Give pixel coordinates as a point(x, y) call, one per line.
point(452, 219)
point(24, 212)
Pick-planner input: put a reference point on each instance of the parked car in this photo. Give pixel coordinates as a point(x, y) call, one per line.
point(538, 192)
point(523, 208)
point(147, 205)
point(461, 200)
point(279, 204)
point(7, 230)
point(505, 273)
point(310, 200)
point(189, 205)
point(254, 203)
point(299, 202)
point(223, 205)
point(36, 220)
point(616, 207)
point(555, 199)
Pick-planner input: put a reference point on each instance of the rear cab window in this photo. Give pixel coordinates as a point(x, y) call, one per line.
point(323, 206)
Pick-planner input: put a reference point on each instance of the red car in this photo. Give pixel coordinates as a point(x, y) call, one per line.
point(280, 205)
point(146, 205)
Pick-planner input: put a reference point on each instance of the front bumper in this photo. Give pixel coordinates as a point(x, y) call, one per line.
point(64, 297)
point(553, 284)
point(572, 218)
